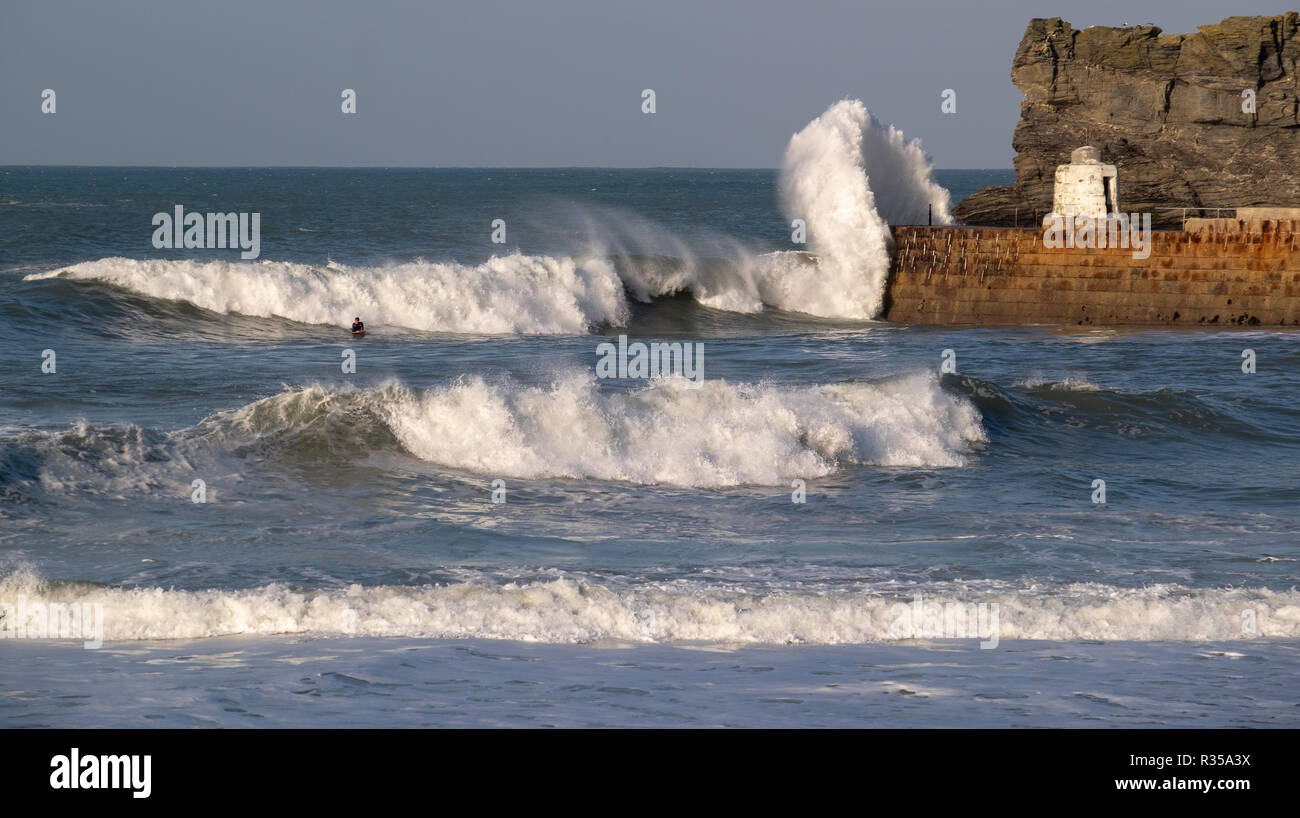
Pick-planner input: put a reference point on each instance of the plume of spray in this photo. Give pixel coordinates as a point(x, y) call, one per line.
point(845, 174)
point(653, 261)
point(848, 177)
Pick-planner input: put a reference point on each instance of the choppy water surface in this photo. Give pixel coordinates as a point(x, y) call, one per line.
point(648, 565)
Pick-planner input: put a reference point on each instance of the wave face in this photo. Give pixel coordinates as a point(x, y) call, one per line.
point(82, 459)
point(505, 294)
point(849, 177)
point(845, 174)
point(719, 434)
point(574, 610)
point(668, 432)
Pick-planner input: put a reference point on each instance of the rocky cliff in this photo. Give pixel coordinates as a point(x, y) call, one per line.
point(1167, 109)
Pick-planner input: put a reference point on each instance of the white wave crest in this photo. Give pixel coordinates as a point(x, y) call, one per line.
point(569, 610)
point(845, 174)
point(505, 294)
point(669, 432)
point(848, 177)
point(719, 434)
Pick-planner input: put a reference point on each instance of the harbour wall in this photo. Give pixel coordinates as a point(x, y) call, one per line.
point(1215, 272)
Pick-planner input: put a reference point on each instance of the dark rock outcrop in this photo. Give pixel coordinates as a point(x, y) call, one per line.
point(1167, 110)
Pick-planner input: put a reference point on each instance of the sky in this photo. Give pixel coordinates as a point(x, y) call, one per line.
point(516, 83)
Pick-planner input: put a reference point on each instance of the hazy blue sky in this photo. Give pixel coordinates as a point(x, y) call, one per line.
point(515, 82)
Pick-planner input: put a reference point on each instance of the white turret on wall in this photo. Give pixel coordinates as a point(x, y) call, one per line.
point(1085, 187)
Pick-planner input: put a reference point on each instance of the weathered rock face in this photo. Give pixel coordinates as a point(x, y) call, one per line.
point(1166, 109)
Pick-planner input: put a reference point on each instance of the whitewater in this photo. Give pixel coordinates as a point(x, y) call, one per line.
point(456, 521)
point(577, 609)
point(845, 176)
point(668, 432)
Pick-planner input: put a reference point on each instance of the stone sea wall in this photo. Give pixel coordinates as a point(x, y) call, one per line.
point(1239, 274)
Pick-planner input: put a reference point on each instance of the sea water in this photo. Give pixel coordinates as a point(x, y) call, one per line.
point(469, 527)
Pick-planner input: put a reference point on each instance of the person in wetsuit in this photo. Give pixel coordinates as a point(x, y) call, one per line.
point(357, 326)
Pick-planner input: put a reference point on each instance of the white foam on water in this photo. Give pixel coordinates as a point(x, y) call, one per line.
point(113, 462)
point(1069, 384)
point(848, 177)
point(668, 432)
point(568, 610)
point(505, 294)
point(671, 431)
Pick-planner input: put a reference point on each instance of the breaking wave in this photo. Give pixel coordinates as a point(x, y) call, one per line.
point(847, 176)
point(719, 434)
point(506, 294)
point(573, 610)
point(670, 431)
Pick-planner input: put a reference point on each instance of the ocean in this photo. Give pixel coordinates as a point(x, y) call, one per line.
point(458, 521)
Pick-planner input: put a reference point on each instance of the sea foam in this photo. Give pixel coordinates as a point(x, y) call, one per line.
point(506, 294)
point(574, 610)
point(847, 176)
point(719, 434)
point(670, 431)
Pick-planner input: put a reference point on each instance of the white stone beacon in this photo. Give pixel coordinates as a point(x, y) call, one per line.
point(1085, 188)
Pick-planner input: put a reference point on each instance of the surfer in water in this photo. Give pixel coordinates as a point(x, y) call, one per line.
point(357, 326)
